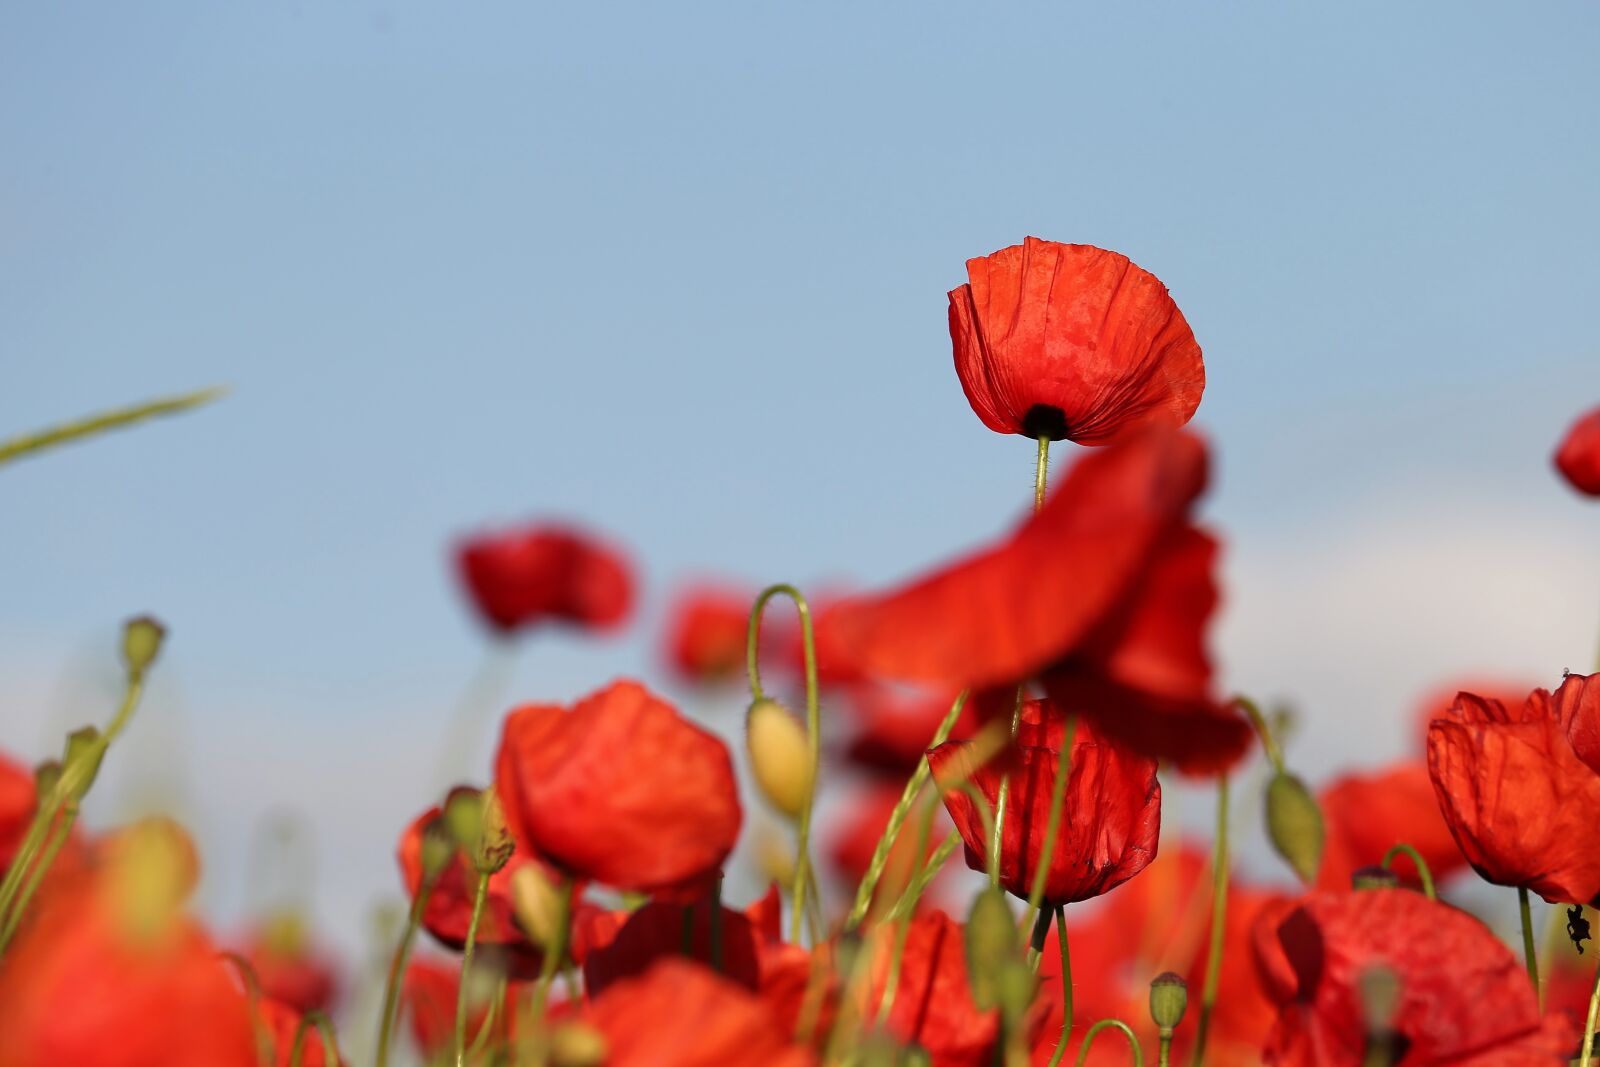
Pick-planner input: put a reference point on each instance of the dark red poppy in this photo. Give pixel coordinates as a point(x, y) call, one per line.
point(705, 633)
point(1071, 341)
point(1578, 458)
point(1104, 595)
point(679, 1014)
point(658, 930)
point(281, 1021)
point(1463, 998)
point(524, 576)
point(1520, 787)
point(621, 790)
point(933, 1002)
point(288, 964)
point(428, 995)
point(1110, 824)
point(112, 973)
point(1354, 838)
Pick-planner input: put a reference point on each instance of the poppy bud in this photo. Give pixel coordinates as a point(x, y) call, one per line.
point(438, 848)
point(1294, 823)
point(494, 846)
point(536, 903)
point(576, 1045)
point(779, 756)
point(1379, 989)
point(775, 856)
point(1374, 878)
point(141, 642)
point(81, 761)
point(45, 777)
point(151, 868)
point(991, 944)
point(463, 817)
point(1169, 996)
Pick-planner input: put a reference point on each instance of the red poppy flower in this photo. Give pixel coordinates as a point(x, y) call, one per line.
point(705, 636)
point(1578, 458)
point(1462, 996)
point(679, 1014)
point(1520, 787)
point(428, 995)
point(281, 1021)
point(1110, 824)
point(1437, 702)
point(933, 1003)
point(1071, 341)
point(111, 973)
point(524, 576)
point(620, 789)
point(656, 930)
point(1103, 594)
point(1403, 799)
point(288, 964)
point(449, 909)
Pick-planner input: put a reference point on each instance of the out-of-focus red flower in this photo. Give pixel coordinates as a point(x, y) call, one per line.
point(656, 930)
point(1364, 814)
point(894, 729)
point(1071, 341)
point(288, 964)
point(855, 835)
point(528, 575)
point(1520, 787)
point(621, 790)
point(112, 973)
point(705, 633)
point(1103, 594)
point(933, 1002)
point(1578, 458)
point(428, 994)
point(1463, 997)
point(1110, 824)
point(1437, 702)
point(281, 1021)
point(16, 807)
point(679, 1014)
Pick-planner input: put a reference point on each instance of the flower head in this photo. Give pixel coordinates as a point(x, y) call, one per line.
point(1578, 458)
point(545, 573)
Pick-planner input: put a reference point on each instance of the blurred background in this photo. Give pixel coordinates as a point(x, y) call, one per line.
point(678, 273)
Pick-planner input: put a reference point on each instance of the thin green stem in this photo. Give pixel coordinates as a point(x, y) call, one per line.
point(1041, 472)
point(1219, 915)
point(64, 822)
point(490, 1018)
point(919, 884)
point(402, 952)
point(1588, 1026)
point(17, 447)
point(1530, 953)
point(324, 1027)
point(903, 927)
point(478, 897)
point(897, 817)
point(1058, 798)
point(1118, 1024)
point(1067, 1009)
point(808, 640)
point(1422, 866)
point(1259, 721)
point(1164, 1049)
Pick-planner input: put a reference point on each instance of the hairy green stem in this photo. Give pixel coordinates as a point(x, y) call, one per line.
point(1066, 1001)
point(1118, 1024)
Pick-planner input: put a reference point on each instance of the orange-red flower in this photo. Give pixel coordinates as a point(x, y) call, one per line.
point(1365, 814)
point(679, 1014)
point(933, 1003)
point(1071, 341)
point(657, 930)
point(621, 789)
point(1520, 787)
point(288, 964)
point(521, 577)
point(282, 1021)
point(1110, 824)
point(1463, 997)
point(1104, 595)
point(705, 635)
point(1578, 458)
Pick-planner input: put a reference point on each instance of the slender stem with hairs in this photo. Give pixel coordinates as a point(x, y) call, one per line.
point(1118, 1024)
point(1219, 916)
point(1067, 1006)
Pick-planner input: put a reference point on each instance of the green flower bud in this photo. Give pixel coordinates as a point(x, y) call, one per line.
point(81, 762)
point(141, 642)
point(494, 846)
point(1294, 823)
point(438, 848)
point(463, 817)
point(1169, 996)
point(780, 757)
point(1374, 878)
point(991, 944)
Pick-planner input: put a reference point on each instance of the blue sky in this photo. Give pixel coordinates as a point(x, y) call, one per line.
point(679, 272)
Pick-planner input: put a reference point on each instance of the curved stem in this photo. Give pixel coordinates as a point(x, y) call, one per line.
point(1083, 1053)
point(17, 447)
point(402, 952)
point(1058, 798)
point(324, 1026)
point(1259, 721)
point(1530, 954)
point(752, 654)
point(1422, 867)
point(1219, 915)
point(252, 996)
point(478, 897)
point(1066, 1001)
point(897, 817)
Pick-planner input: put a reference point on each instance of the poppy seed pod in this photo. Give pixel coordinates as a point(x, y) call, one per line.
point(1374, 878)
point(991, 936)
point(1169, 997)
point(1294, 823)
point(141, 643)
point(780, 756)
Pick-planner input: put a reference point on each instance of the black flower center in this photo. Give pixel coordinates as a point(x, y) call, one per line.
point(1045, 420)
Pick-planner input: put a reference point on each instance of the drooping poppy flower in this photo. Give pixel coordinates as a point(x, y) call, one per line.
point(621, 789)
point(1071, 342)
point(1520, 787)
point(289, 965)
point(1406, 810)
point(1578, 458)
point(657, 930)
point(1110, 824)
point(1103, 595)
point(282, 1021)
point(933, 1004)
point(524, 576)
point(705, 633)
point(680, 1014)
point(1460, 997)
point(112, 973)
